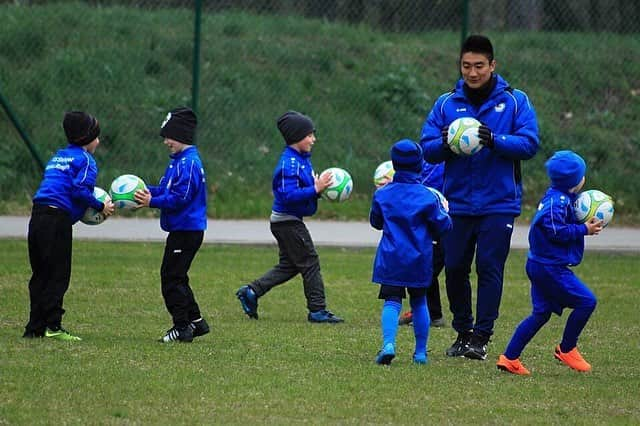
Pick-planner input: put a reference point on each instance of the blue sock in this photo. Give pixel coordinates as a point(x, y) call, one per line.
point(421, 323)
point(524, 333)
point(575, 324)
point(389, 321)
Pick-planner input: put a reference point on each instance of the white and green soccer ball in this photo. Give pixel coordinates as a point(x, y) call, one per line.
point(383, 173)
point(341, 185)
point(463, 136)
point(593, 203)
point(92, 216)
point(123, 189)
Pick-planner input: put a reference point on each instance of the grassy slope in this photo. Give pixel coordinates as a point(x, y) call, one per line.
point(365, 89)
point(281, 369)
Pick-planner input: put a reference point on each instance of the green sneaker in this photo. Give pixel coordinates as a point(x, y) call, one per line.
point(61, 334)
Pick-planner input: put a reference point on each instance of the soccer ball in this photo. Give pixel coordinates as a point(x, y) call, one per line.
point(443, 201)
point(122, 190)
point(383, 172)
point(593, 203)
point(93, 216)
point(463, 136)
point(341, 185)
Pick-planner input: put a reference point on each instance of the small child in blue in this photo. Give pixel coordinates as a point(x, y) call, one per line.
point(556, 241)
point(410, 217)
point(65, 193)
point(296, 189)
point(181, 196)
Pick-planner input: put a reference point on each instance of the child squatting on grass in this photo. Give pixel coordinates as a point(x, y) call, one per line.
point(410, 217)
point(65, 193)
point(556, 242)
point(296, 190)
point(181, 197)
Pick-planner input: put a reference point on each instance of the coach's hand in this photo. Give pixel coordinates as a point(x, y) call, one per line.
point(486, 136)
point(445, 138)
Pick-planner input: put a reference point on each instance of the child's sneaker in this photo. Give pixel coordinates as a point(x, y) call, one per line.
point(419, 358)
point(573, 359)
point(323, 316)
point(199, 327)
point(386, 354)
point(61, 334)
point(406, 318)
point(175, 334)
point(248, 300)
point(513, 366)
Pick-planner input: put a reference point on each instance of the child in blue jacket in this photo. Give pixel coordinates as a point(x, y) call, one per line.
point(296, 189)
point(556, 241)
point(410, 217)
point(181, 197)
point(65, 193)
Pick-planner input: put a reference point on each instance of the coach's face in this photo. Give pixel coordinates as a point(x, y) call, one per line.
point(476, 69)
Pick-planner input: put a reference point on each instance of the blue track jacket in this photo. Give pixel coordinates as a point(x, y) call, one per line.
point(68, 183)
point(555, 236)
point(410, 217)
point(181, 194)
point(488, 182)
point(293, 185)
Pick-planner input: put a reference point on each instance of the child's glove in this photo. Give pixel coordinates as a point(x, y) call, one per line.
point(486, 136)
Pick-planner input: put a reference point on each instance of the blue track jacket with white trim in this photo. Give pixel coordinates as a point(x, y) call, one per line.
point(181, 194)
point(555, 235)
point(410, 217)
point(488, 182)
point(68, 183)
point(293, 184)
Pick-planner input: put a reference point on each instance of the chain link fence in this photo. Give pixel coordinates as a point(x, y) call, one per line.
point(367, 72)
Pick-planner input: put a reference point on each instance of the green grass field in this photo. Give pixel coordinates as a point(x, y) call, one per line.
point(283, 370)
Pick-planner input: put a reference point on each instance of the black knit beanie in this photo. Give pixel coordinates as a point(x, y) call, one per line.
point(180, 125)
point(295, 126)
point(80, 128)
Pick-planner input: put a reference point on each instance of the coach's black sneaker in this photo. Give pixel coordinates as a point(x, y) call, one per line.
point(175, 334)
point(248, 300)
point(459, 347)
point(477, 347)
point(199, 327)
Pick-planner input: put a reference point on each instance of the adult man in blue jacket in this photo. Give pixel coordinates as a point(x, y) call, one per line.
point(484, 190)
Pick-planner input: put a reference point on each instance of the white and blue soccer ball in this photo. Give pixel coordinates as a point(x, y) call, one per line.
point(593, 203)
point(383, 173)
point(341, 185)
point(463, 136)
point(123, 189)
point(92, 216)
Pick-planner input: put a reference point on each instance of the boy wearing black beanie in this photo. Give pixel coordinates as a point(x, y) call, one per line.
point(296, 189)
point(65, 193)
point(181, 196)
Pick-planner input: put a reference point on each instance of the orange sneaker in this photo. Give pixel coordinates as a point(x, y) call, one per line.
point(405, 318)
point(572, 359)
point(513, 366)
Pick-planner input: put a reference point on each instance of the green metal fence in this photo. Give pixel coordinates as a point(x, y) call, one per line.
point(366, 71)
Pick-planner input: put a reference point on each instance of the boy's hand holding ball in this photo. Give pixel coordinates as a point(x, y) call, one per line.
point(142, 197)
point(320, 183)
